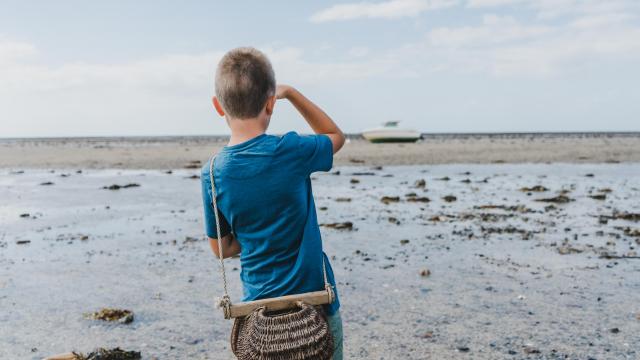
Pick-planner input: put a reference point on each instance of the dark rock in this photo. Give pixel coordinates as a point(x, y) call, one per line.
point(537, 188)
point(348, 225)
point(118, 187)
point(389, 199)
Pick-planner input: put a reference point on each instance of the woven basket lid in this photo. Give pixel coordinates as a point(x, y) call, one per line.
point(302, 333)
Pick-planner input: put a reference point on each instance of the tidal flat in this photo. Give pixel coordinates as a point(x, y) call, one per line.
point(457, 261)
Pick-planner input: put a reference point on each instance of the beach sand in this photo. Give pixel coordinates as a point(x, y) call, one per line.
point(178, 152)
point(462, 266)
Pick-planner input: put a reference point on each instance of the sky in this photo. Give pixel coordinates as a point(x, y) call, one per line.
point(146, 67)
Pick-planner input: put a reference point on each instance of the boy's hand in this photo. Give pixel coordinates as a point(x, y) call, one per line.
point(282, 91)
point(320, 122)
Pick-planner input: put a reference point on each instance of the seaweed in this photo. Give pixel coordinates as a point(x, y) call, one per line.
point(109, 354)
point(598, 197)
point(560, 199)
point(108, 314)
point(423, 199)
point(515, 208)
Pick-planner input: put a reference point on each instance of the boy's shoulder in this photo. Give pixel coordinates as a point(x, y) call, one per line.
point(290, 146)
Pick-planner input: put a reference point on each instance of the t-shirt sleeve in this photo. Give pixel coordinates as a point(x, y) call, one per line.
point(209, 218)
point(316, 152)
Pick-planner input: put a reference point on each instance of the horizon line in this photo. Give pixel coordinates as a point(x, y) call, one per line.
point(349, 135)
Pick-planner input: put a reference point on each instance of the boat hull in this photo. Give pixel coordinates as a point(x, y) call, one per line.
point(387, 136)
point(393, 140)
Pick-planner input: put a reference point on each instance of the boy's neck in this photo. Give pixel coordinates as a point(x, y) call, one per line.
point(245, 129)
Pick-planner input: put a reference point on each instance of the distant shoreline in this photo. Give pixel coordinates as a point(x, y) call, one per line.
point(426, 135)
point(176, 152)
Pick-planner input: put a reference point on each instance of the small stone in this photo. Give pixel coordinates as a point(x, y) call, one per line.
point(425, 272)
point(393, 220)
point(428, 335)
point(529, 349)
point(614, 330)
point(404, 241)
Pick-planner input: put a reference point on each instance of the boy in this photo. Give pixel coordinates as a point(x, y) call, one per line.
point(266, 208)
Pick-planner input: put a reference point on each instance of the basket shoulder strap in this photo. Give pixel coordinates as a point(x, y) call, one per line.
point(225, 301)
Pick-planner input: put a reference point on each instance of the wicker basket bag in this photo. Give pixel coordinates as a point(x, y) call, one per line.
point(292, 327)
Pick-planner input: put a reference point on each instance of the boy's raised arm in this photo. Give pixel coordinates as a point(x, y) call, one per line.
point(319, 121)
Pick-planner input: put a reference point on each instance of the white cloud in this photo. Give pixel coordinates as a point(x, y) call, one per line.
point(504, 46)
point(494, 30)
point(392, 9)
point(491, 3)
point(11, 51)
point(546, 9)
point(95, 98)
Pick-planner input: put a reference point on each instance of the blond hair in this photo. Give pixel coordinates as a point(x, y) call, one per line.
point(244, 82)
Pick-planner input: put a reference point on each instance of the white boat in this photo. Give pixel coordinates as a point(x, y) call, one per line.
point(390, 132)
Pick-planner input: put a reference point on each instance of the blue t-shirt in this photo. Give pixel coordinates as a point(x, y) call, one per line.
point(264, 198)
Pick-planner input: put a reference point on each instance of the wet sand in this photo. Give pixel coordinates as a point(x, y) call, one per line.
point(509, 277)
point(180, 152)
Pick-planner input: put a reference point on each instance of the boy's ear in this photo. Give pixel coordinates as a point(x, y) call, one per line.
point(216, 104)
point(271, 103)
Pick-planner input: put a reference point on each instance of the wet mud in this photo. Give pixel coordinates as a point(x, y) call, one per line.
point(495, 274)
